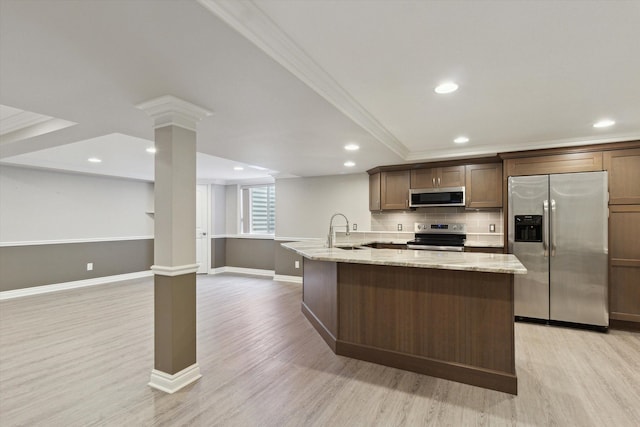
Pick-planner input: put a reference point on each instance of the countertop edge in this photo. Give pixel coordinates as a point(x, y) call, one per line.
point(475, 264)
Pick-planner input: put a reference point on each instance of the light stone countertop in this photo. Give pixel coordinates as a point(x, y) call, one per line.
point(367, 240)
point(474, 240)
point(483, 244)
point(467, 261)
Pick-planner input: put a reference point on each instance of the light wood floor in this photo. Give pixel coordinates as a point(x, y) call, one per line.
point(83, 357)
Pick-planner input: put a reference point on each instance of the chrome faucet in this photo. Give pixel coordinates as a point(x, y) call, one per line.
point(330, 238)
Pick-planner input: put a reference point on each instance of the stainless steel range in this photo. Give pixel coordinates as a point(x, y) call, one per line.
point(439, 237)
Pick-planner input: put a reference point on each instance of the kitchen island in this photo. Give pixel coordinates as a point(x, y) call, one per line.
point(443, 314)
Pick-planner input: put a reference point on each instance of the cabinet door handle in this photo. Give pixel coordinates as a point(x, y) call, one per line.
point(433, 182)
point(438, 181)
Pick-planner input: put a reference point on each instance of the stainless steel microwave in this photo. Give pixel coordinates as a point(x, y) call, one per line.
point(430, 197)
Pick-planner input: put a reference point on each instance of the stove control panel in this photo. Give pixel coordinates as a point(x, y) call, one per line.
point(457, 228)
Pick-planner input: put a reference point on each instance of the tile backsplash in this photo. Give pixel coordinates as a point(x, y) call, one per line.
point(478, 221)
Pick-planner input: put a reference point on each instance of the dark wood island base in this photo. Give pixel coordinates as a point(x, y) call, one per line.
point(451, 324)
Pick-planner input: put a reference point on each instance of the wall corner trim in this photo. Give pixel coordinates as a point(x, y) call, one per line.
point(172, 383)
point(178, 270)
point(36, 290)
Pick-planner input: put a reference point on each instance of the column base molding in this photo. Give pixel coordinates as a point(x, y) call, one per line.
point(172, 383)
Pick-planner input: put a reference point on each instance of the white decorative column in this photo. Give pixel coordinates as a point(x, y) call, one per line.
point(175, 265)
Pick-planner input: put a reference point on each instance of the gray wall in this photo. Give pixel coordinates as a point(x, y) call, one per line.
point(37, 265)
point(250, 253)
point(285, 261)
point(232, 212)
point(90, 218)
point(263, 254)
point(305, 205)
point(38, 205)
point(303, 209)
point(218, 210)
point(218, 252)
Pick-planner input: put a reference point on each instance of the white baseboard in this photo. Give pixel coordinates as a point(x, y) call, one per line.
point(36, 290)
point(242, 270)
point(284, 278)
point(217, 270)
point(172, 383)
point(256, 272)
point(45, 289)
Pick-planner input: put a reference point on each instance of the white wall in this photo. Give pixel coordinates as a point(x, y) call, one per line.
point(218, 210)
point(37, 205)
point(232, 220)
point(305, 205)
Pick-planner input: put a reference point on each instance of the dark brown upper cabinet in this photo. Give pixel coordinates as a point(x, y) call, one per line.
point(394, 190)
point(558, 163)
point(484, 185)
point(624, 176)
point(374, 192)
point(450, 176)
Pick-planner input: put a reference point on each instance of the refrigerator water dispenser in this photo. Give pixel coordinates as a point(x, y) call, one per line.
point(528, 228)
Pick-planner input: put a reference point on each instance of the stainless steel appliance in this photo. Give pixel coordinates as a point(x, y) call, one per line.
point(429, 197)
point(439, 237)
point(558, 229)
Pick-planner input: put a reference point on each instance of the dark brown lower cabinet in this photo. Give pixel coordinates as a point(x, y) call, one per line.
point(484, 249)
point(624, 266)
point(450, 324)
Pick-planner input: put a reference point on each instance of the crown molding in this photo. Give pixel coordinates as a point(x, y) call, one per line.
point(21, 124)
point(492, 150)
point(21, 120)
point(250, 21)
point(169, 110)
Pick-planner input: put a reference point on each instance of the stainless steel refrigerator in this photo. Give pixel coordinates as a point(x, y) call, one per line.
point(558, 229)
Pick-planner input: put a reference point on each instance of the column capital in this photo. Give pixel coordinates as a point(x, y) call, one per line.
point(169, 110)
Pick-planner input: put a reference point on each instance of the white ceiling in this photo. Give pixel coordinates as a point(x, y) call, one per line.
point(127, 157)
point(291, 82)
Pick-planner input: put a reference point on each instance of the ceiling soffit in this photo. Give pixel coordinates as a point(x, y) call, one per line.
point(250, 21)
point(16, 124)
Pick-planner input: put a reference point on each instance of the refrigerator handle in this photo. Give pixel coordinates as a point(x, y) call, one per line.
point(545, 229)
point(553, 227)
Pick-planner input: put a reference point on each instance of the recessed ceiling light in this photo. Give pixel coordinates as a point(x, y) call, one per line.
point(604, 123)
point(151, 150)
point(352, 147)
point(446, 87)
point(238, 168)
point(94, 160)
point(461, 140)
point(349, 164)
